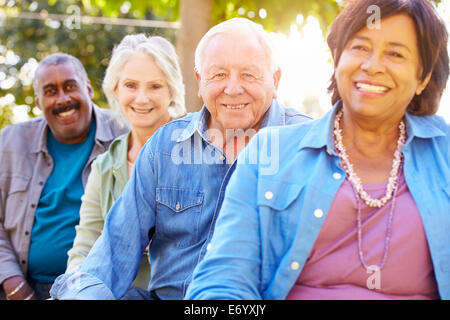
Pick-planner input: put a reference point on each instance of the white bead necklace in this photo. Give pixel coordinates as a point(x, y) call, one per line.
point(355, 182)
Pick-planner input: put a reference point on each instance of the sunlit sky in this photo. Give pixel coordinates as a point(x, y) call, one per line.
point(306, 69)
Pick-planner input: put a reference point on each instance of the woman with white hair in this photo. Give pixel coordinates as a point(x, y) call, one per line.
point(144, 85)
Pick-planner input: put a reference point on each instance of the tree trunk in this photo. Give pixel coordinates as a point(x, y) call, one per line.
point(195, 18)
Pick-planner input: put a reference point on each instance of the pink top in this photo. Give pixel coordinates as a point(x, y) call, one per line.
point(333, 269)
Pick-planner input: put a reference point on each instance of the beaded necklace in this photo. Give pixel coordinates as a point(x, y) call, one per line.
point(355, 182)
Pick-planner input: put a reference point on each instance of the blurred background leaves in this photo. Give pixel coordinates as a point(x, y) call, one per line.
point(25, 40)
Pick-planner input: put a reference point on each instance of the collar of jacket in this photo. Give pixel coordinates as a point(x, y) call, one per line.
point(317, 137)
point(275, 116)
point(115, 160)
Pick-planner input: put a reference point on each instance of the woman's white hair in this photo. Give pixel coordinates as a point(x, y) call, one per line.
point(238, 25)
point(165, 58)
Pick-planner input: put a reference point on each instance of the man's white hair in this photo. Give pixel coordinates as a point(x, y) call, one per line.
point(165, 58)
point(238, 25)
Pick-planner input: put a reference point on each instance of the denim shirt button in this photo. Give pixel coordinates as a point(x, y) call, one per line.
point(268, 195)
point(337, 176)
point(178, 206)
point(318, 213)
point(295, 265)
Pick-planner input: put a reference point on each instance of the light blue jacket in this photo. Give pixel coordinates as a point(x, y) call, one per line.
point(269, 221)
point(173, 197)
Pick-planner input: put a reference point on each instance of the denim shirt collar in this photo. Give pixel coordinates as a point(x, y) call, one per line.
point(321, 133)
point(421, 127)
point(275, 116)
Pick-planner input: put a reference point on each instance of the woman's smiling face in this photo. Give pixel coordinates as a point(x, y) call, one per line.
point(379, 70)
point(142, 92)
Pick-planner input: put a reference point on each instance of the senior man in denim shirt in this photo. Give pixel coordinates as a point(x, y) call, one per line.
point(176, 190)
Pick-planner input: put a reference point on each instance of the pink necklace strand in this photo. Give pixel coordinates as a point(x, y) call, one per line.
point(388, 230)
point(355, 182)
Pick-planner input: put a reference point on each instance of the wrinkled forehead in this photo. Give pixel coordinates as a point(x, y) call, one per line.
point(244, 47)
point(243, 31)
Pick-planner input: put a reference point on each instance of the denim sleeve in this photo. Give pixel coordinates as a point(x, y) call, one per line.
point(79, 286)
point(113, 262)
point(231, 267)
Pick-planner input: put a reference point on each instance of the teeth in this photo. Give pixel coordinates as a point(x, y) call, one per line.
point(240, 106)
point(142, 111)
point(371, 88)
point(67, 113)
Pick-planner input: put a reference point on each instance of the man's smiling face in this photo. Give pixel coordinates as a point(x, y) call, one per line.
point(236, 82)
point(64, 96)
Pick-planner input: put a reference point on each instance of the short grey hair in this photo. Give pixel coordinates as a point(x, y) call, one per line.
point(238, 25)
point(165, 58)
point(59, 58)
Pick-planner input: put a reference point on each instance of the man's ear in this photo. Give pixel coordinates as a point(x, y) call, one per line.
point(36, 101)
point(90, 89)
point(276, 82)
point(199, 79)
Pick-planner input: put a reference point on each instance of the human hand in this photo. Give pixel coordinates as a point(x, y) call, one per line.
point(16, 288)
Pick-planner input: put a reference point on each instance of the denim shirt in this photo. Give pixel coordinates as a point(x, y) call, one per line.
point(173, 197)
point(269, 222)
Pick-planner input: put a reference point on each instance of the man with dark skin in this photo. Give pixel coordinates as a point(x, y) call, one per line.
point(45, 163)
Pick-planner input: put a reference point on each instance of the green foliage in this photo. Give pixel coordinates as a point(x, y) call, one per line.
point(6, 115)
point(91, 43)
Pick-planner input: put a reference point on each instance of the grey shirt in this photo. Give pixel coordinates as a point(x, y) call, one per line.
point(25, 166)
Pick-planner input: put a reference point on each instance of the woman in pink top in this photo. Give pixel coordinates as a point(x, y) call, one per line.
point(379, 76)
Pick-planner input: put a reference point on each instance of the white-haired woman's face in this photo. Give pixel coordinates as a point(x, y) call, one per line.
point(143, 93)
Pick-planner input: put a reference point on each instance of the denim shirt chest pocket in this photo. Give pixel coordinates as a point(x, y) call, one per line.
point(279, 206)
point(294, 214)
point(178, 214)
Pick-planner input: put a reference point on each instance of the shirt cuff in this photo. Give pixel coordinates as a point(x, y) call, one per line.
point(80, 286)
